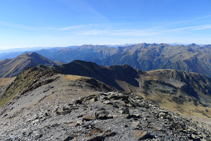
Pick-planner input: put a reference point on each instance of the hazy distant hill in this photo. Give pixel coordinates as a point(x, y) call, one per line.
point(13, 67)
point(84, 52)
point(9, 55)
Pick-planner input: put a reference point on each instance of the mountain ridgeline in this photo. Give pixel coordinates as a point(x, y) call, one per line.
point(171, 89)
point(13, 67)
point(174, 83)
point(191, 58)
point(83, 100)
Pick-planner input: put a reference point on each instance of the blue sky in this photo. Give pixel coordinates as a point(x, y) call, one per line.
point(32, 23)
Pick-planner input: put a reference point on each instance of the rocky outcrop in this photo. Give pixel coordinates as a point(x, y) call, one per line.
point(105, 117)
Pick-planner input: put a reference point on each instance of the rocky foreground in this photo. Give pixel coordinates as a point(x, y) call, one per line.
point(108, 116)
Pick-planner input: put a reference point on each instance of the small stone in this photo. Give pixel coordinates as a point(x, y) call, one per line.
point(115, 116)
point(195, 137)
point(162, 115)
point(35, 121)
point(74, 124)
point(107, 102)
point(109, 134)
point(139, 135)
point(80, 122)
point(135, 124)
point(136, 115)
point(94, 131)
point(125, 111)
point(102, 116)
point(109, 116)
point(193, 130)
point(145, 114)
point(88, 118)
point(92, 100)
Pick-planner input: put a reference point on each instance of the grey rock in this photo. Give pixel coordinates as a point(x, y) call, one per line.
point(95, 117)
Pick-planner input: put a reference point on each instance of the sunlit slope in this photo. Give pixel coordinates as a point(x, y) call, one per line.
point(4, 83)
point(34, 78)
point(13, 67)
point(179, 91)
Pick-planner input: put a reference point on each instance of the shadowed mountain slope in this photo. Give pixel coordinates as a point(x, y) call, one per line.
point(108, 75)
point(178, 87)
point(13, 67)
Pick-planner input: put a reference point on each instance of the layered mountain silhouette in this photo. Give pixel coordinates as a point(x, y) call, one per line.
point(47, 102)
point(42, 104)
point(175, 83)
point(13, 67)
point(84, 52)
point(164, 87)
point(162, 56)
point(191, 58)
point(106, 74)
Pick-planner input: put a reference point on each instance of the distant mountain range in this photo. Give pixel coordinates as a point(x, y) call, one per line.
point(191, 58)
point(146, 57)
point(177, 86)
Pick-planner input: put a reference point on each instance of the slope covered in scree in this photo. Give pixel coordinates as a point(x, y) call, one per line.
point(103, 117)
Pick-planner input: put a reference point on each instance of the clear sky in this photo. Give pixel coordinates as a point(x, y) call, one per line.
point(31, 23)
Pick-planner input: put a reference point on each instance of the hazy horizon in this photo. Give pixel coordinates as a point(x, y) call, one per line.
point(23, 49)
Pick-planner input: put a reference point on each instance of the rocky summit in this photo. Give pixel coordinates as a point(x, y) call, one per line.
point(107, 116)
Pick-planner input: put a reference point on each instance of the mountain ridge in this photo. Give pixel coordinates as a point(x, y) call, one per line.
point(144, 56)
point(177, 87)
point(50, 102)
point(13, 67)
